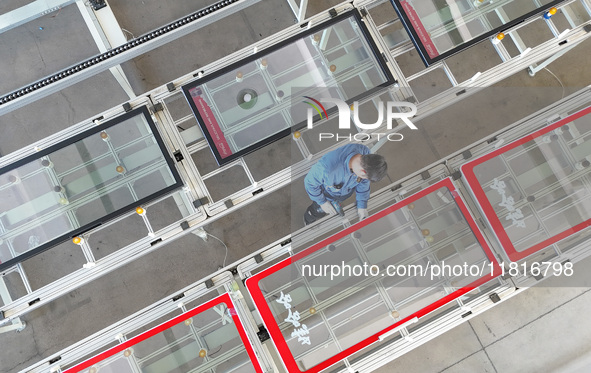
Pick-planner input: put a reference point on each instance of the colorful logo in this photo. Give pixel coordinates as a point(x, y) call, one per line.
point(316, 107)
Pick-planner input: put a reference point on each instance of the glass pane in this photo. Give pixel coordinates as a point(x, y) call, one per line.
point(205, 339)
point(443, 27)
point(322, 302)
point(47, 197)
point(537, 190)
point(248, 105)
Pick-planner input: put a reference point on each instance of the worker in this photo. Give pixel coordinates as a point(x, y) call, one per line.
point(337, 175)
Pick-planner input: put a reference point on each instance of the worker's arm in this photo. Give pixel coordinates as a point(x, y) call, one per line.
point(313, 184)
point(362, 192)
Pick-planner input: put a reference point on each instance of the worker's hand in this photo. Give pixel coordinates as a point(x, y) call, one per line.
point(362, 214)
point(328, 208)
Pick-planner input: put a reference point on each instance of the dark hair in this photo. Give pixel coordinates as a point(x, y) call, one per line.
point(375, 166)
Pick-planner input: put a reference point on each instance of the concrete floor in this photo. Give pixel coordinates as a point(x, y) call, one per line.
point(539, 330)
point(515, 336)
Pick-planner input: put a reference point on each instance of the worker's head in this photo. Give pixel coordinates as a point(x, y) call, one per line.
point(370, 166)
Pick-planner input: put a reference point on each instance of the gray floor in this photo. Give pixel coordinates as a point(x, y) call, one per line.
point(540, 330)
point(514, 336)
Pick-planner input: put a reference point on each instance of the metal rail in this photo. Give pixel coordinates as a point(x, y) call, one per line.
point(197, 220)
point(120, 54)
point(269, 185)
point(398, 344)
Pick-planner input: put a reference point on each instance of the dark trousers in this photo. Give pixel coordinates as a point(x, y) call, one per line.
point(313, 213)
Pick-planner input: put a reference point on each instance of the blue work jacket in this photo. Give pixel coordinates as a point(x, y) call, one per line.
point(332, 179)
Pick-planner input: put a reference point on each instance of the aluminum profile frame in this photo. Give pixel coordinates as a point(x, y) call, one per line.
point(125, 255)
point(486, 206)
point(389, 80)
point(427, 60)
point(101, 62)
point(142, 111)
point(388, 351)
point(223, 283)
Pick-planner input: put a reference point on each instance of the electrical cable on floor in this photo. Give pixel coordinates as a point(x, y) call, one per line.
point(389, 178)
point(58, 13)
point(226, 256)
point(129, 32)
point(559, 81)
